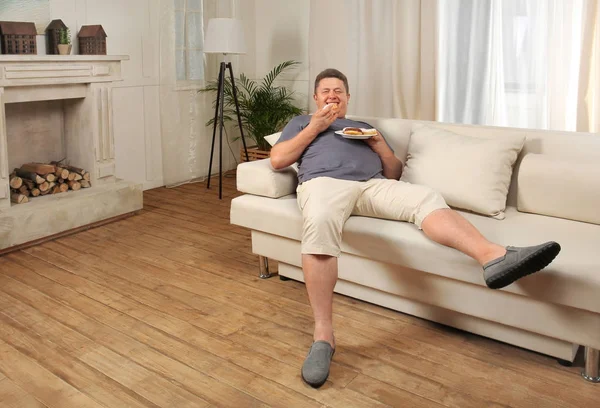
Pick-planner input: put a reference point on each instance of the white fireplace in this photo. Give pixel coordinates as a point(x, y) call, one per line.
point(54, 108)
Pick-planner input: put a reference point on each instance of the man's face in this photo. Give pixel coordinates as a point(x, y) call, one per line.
point(332, 90)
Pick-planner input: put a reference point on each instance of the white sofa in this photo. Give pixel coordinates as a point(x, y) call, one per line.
point(554, 195)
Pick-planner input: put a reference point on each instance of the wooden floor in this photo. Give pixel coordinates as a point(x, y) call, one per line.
point(165, 309)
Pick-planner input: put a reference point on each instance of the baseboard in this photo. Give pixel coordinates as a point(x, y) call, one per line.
point(149, 185)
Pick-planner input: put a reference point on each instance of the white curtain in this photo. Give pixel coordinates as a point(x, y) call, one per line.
point(515, 63)
point(386, 48)
point(183, 111)
point(588, 109)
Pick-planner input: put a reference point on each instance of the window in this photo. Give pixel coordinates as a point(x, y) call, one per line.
point(510, 62)
point(189, 40)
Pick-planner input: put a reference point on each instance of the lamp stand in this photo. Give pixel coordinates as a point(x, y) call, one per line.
point(219, 108)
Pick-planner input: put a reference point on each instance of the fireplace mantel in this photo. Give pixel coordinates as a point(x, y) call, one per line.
point(20, 76)
point(79, 88)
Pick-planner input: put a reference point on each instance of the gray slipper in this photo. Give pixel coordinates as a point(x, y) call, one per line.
point(519, 262)
point(315, 369)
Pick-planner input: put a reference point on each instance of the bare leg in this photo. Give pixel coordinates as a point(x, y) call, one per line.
point(449, 228)
point(320, 276)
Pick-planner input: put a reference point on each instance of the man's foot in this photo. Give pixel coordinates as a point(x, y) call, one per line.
point(517, 263)
point(315, 369)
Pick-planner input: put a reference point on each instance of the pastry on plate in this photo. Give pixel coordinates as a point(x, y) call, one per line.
point(354, 131)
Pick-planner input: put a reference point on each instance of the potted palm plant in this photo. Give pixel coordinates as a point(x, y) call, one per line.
point(264, 108)
point(64, 41)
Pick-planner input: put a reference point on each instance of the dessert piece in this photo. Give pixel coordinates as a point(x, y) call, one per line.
point(352, 131)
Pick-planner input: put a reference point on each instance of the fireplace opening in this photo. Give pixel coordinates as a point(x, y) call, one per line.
point(47, 152)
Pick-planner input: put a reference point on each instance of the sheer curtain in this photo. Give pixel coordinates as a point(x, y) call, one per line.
point(588, 108)
point(386, 48)
point(515, 63)
point(184, 111)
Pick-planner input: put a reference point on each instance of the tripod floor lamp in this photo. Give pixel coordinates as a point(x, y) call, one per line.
point(224, 36)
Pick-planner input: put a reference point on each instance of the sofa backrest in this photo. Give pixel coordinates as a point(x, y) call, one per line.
point(568, 149)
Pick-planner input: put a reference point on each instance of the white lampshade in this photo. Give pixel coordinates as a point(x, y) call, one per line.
point(224, 36)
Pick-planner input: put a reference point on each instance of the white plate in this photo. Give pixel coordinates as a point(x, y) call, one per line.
point(341, 133)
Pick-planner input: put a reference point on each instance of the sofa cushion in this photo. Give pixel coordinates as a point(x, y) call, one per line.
point(566, 188)
point(572, 279)
point(259, 178)
point(471, 173)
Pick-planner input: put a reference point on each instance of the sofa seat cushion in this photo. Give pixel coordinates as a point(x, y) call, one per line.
point(573, 279)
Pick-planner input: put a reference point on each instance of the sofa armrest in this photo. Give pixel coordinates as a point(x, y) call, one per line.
point(259, 178)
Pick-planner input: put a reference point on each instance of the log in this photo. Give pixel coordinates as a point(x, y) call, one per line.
point(85, 184)
point(71, 176)
point(39, 168)
point(30, 184)
point(35, 192)
point(16, 182)
point(24, 190)
point(56, 189)
point(74, 185)
point(72, 169)
point(61, 180)
point(44, 187)
point(78, 177)
point(49, 190)
point(61, 173)
point(86, 176)
point(18, 198)
point(50, 177)
point(30, 175)
point(64, 187)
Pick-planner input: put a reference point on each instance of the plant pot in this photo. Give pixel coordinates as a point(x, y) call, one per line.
point(254, 153)
point(64, 49)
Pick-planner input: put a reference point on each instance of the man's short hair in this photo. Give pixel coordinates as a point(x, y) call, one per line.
point(332, 73)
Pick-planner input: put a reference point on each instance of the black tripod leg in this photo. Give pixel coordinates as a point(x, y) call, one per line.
point(221, 132)
point(217, 106)
point(237, 108)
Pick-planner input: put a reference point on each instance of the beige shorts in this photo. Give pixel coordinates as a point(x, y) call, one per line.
point(326, 204)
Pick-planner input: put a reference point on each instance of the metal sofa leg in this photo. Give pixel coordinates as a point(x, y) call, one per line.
point(263, 265)
point(591, 371)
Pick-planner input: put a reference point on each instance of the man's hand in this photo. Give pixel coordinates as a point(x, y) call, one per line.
point(377, 143)
point(322, 119)
point(392, 167)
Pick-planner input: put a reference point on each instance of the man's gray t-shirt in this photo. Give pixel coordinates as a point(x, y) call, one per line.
point(332, 155)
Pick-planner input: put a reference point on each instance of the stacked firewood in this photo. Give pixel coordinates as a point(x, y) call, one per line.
point(40, 179)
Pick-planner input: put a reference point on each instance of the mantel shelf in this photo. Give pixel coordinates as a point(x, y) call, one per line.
point(62, 58)
point(19, 72)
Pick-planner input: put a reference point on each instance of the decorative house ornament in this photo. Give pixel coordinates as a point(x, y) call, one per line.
point(18, 37)
point(92, 40)
point(53, 36)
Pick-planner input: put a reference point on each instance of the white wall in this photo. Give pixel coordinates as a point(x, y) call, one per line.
point(282, 34)
point(276, 31)
point(132, 29)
